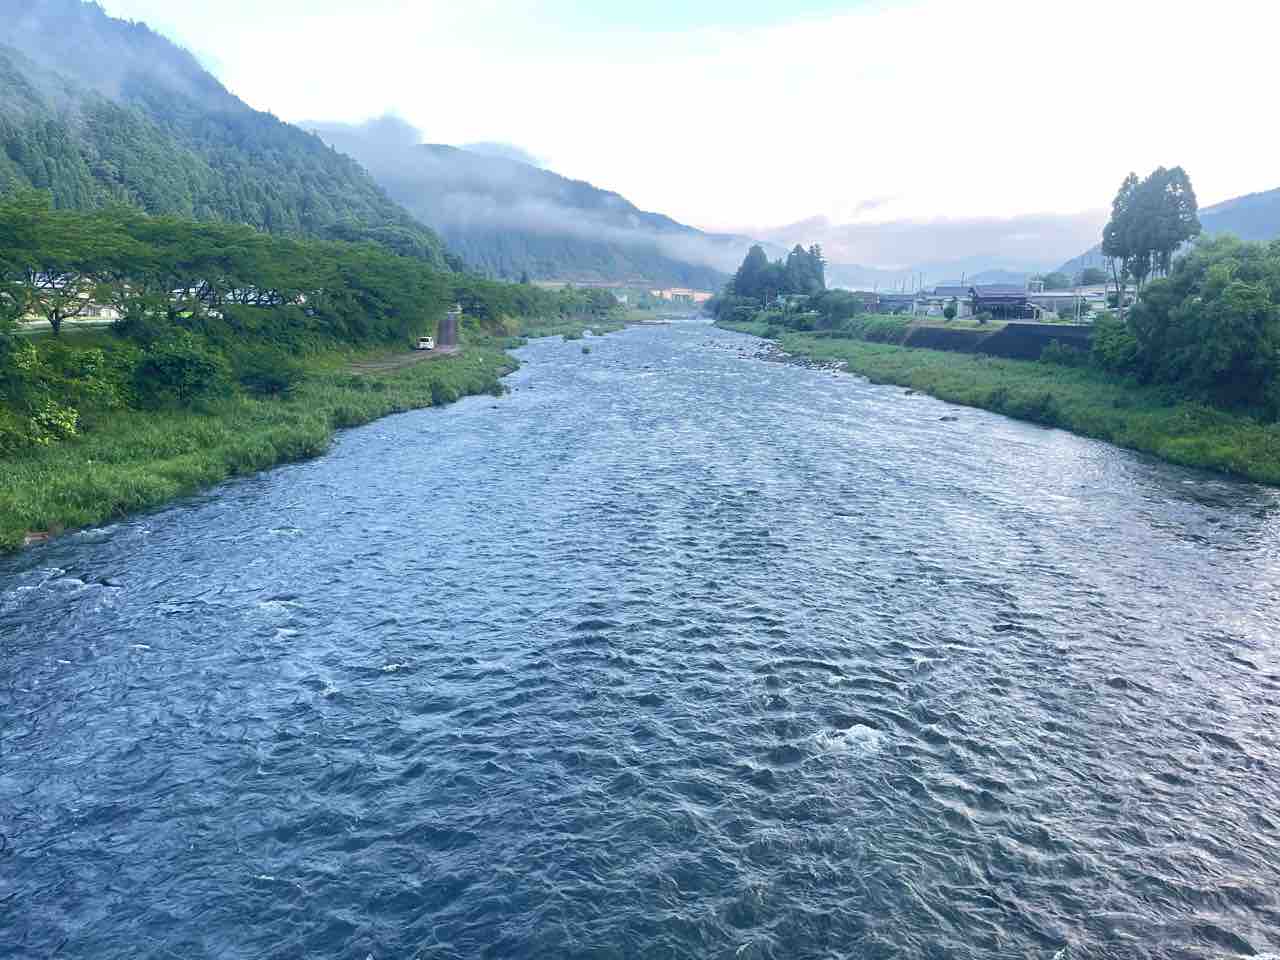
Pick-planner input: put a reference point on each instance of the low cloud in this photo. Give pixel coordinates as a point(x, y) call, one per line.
point(503, 151)
point(494, 187)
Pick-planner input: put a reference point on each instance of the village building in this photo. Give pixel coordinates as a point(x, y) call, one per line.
point(683, 295)
point(896, 303)
point(1003, 301)
point(936, 302)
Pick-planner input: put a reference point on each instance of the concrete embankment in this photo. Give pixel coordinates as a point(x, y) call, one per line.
point(1014, 341)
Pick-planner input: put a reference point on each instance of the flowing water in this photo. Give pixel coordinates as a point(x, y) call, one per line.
point(671, 653)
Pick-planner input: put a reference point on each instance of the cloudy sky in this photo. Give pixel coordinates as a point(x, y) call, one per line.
point(750, 115)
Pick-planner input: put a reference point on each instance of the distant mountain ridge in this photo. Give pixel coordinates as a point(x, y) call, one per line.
point(97, 110)
point(1254, 216)
point(507, 218)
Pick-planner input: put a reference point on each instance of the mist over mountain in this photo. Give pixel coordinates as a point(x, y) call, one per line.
point(506, 216)
point(99, 110)
point(1255, 216)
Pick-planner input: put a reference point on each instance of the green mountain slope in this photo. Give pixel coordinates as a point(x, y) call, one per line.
point(506, 218)
point(97, 110)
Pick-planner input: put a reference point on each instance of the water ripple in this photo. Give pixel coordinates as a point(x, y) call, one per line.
point(673, 653)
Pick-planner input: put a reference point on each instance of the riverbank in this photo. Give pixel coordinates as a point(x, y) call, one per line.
point(1081, 400)
point(137, 460)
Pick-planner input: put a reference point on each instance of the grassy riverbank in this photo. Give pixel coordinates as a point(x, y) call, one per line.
point(134, 460)
point(1083, 400)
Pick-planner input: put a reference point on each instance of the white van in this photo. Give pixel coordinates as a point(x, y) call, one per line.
point(425, 343)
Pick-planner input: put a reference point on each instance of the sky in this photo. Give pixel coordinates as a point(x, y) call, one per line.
point(751, 116)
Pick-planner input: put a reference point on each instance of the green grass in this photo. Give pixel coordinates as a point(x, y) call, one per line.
point(131, 460)
point(1082, 400)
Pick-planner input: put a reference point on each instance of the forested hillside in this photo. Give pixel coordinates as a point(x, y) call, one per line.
point(507, 218)
point(98, 110)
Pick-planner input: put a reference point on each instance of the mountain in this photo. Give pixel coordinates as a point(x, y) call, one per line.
point(1255, 216)
point(506, 216)
point(100, 110)
point(855, 277)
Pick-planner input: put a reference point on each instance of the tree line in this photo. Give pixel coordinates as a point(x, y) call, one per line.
point(205, 307)
point(760, 281)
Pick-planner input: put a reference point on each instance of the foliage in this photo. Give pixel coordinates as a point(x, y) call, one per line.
point(180, 369)
point(1115, 349)
point(1093, 276)
point(1064, 355)
point(267, 371)
point(950, 310)
point(835, 307)
point(1213, 326)
point(209, 307)
point(759, 280)
point(172, 140)
point(1150, 219)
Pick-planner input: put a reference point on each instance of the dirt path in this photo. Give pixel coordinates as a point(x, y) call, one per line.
point(400, 360)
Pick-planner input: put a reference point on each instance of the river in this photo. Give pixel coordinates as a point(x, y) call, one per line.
point(672, 652)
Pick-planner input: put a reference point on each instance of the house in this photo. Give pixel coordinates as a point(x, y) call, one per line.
point(897, 303)
point(1004, 301)
point(958, 294)
point(683, 295)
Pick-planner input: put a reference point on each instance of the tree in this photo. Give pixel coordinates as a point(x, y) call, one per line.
point(818, 266)
point(950, 310)
point(753, 277)
point(1150, 220)
point(62, 268)
point(180, 368)
point(1117, 244)
point(1213, 325)
point(1055, 281)
point(1092, 276)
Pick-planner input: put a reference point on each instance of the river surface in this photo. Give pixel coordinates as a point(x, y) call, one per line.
point(671, 653)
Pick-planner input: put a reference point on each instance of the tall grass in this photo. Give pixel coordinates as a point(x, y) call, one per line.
point(133, 460)
point(1083, 400)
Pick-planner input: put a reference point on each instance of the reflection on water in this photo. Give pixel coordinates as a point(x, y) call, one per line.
point(671, 653)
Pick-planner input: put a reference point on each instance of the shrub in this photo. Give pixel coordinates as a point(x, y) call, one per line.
point(1115, 348)
point(1064, 355)
point(180, 369)
point(442, 393)
point(949, 311)
point(265, 372)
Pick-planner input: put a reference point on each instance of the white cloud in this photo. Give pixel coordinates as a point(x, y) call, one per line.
point(920, 109)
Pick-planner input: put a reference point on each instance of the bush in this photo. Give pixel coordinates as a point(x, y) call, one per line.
point(442, 393)
point(180, 369)
point(268, 373)
point(1115, 348)
point(949, 311)
point(1064, 355)
point(46, 423)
